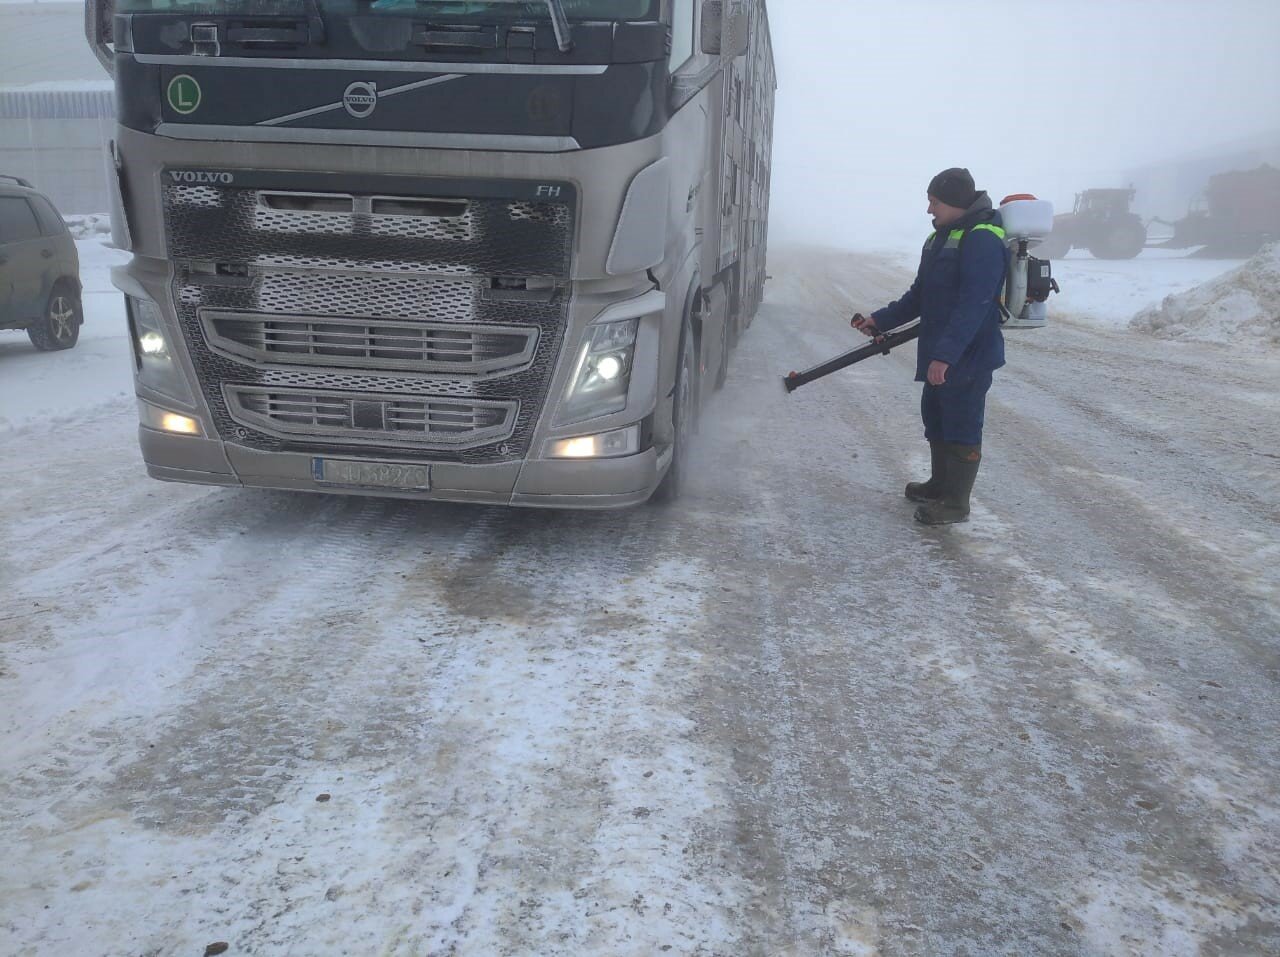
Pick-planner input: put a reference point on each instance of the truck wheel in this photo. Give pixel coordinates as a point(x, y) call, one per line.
point(59, 327)
point(683, 411)
point(726, 344)
point(1122, 241)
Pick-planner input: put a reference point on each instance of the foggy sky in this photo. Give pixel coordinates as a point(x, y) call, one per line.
point(1043, 96)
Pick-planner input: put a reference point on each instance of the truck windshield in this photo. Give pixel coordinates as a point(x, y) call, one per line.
point(482, 9)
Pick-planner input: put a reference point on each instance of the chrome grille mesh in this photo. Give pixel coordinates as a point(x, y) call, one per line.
point(490, 237)
point(471, 349)
point(367, 418)
point(361, 296)
point(371, 331)
point(546, 213)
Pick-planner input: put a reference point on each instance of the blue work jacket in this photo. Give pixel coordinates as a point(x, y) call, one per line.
point(956, 295)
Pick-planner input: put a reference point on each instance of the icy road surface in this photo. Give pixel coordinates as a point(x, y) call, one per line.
point(778, 719)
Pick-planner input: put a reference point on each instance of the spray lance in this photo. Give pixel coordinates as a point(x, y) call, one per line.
point(881, 345)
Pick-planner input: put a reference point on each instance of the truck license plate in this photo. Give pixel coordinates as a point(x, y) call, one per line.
point(396, 475)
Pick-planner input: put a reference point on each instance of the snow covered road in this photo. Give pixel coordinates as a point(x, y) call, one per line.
point(777, 719)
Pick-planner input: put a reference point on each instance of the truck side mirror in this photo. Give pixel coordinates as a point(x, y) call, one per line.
point(723, 35)
point(97, 30)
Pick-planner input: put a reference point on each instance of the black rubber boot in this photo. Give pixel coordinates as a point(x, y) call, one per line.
point(962, 471)
point(931, 490)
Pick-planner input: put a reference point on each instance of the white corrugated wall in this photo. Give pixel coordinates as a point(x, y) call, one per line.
point(56, 139)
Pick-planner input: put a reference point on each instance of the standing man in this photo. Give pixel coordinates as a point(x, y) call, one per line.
point(956, 296)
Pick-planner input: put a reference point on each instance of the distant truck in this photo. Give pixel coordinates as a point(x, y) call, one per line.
point(1237, 215)
point(471, 251)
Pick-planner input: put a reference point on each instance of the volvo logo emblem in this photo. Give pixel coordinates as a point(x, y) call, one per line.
point(360, 99)
point(200, 176)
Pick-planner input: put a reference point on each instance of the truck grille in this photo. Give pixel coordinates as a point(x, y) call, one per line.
point(471, 236)
point(355, 344)
point(417, 316)
point(371, 418)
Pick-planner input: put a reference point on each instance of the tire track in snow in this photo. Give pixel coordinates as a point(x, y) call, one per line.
point(803, 726)
point(795, 703)
point(1019, 701)
point(279, 700)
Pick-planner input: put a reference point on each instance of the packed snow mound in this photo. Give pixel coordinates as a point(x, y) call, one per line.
point(1241, 304)
point(92, 226)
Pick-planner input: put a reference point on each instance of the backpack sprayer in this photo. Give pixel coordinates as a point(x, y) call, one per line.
point(1028, 283)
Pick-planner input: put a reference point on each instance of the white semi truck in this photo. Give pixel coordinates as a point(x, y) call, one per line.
point(468, 251)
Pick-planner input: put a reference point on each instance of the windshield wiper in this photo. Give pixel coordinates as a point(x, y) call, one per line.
point(559, 21)
point(555, 10)
point(315, 20)
point(560, 24)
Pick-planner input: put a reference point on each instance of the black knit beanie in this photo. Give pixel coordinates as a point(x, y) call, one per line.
point(954, 187)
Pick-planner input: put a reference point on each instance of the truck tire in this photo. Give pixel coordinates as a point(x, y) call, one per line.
point(59, 327)
point(683, 415)
point(726, 346)
point(1120, 241)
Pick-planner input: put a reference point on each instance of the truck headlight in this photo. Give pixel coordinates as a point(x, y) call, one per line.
point(156, 365)
point(602, 374)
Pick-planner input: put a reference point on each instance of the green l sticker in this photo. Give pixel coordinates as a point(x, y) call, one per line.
point(184, 94)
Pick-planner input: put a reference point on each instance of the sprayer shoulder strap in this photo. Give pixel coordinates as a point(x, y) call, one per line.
point(959, 234)
point(956, 236)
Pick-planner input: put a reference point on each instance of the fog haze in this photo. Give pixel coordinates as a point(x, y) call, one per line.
point(1047, 97)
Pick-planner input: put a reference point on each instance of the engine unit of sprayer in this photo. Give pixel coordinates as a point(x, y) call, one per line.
point(1029, 283)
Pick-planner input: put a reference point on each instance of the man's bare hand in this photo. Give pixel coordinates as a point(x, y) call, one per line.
point(864, 325)
point(937, 374)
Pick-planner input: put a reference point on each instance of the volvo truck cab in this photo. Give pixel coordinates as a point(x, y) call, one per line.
point(470, 251)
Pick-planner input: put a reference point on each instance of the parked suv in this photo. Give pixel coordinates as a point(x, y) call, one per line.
point(39, 268)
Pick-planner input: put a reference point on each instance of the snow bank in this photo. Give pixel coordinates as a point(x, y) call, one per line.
point(1242, 304)
point(1110, 293)
point(91, 226)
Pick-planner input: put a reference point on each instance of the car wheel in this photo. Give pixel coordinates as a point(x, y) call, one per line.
point(683, 411)
point(59, 327)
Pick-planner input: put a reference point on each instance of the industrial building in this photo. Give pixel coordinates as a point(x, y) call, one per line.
point(56, 105)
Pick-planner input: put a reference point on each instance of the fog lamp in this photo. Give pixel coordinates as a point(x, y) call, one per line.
point(605, 445)
point(162, 420)
point(181, 424)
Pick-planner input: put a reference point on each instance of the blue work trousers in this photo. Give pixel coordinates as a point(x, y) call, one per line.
point(954, 411)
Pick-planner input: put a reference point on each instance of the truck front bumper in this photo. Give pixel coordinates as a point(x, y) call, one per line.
point(547, 483)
